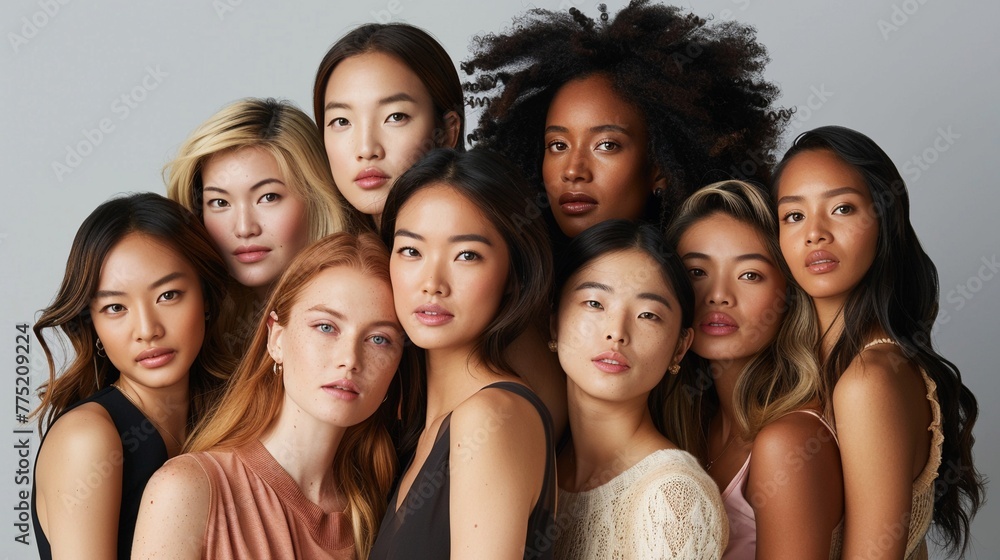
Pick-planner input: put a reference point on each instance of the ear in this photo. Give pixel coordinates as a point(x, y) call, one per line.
point(452, 124)
point(683, 344)
point(274, 333)
point(659, 180)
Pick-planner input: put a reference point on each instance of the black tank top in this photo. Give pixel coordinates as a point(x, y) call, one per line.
point(421, 528)
point(143, 451)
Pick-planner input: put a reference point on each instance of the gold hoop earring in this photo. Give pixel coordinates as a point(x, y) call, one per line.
point(278, 369)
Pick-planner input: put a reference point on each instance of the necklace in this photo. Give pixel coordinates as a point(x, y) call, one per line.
point(135, 404)
point(721, 453)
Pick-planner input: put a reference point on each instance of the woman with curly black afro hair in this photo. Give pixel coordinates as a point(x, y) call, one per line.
point(624, 117)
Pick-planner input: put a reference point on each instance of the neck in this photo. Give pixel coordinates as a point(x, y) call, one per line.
point(306, 449)
point(166, 407)
point(725, 373)
point(608, 438)
point(831, 323)
point(453, 375)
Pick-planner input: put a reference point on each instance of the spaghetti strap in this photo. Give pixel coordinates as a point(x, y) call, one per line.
point(822, 420)
point(878, 341)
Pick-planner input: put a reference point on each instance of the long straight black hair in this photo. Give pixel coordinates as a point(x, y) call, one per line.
point(899, 294)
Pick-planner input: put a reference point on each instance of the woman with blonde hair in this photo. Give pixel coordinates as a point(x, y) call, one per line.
point(296, 460)
point(757, 422)
point(256, 175)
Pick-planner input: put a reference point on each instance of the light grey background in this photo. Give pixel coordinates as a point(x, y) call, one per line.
point(918, 76)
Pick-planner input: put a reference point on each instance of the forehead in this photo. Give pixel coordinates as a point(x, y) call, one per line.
point(138, 260)
point(232, 166)
point(441, 207)
point(720, 235)
point(628, 272)
point(372, 76)
point(816, 171)
point(593, 101)
point(361, 298)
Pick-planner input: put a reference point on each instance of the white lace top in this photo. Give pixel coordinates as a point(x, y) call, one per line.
point(664, 507)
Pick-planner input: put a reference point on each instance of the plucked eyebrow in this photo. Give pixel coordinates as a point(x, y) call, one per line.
point(453, 239)
point(599, 128)
point(828, 194)
point(740, 258)
point(394, 98)
point(340, 316)
point(605, 288)
point(256, 185)
point(153, 286)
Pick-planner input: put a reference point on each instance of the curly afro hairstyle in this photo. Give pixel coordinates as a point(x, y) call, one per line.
point(709, 112)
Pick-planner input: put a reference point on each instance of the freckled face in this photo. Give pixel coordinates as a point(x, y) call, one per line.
point(596, 165)
point(828, 227)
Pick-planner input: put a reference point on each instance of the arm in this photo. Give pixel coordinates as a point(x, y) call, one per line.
point(497, 467)
point(173, 517)
point(79, 482)
point(874, 405)
point(795, 482)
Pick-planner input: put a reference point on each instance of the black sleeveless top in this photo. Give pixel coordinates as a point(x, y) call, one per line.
point(421, 528)
point(143, 451)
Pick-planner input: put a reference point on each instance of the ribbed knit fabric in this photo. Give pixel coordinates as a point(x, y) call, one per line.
point(665, 506)
point(258, 511)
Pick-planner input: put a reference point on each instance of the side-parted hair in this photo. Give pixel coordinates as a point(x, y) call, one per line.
point(698, 85)
point(784, 375)
point(170, 224)
point(284, 132)
point(899, 295)
point(366, 460)
point(416, 49)
point(615, 236)
point(497, 188)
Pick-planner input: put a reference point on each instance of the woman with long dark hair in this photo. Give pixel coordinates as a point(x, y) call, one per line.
point(902, 413)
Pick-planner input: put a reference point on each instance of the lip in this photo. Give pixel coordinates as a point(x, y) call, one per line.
point(574, 203)
point(155, 357)
point(251, 253)
point(718, 324)
point(432, 315)
point(821, 262)
point(343, 389)
point(371, 178)
point(611, 362)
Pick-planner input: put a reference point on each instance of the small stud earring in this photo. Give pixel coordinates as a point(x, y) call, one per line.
point(553, 346)
point(278, 369)
point(675, 369)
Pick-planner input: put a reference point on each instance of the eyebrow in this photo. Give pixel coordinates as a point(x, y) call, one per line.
point(599, 128)
point(828, 194)
point(453, 239)
point(256, 185)
point(401, 96)
point(338, 315)
point(154, 285)
point(740, 258)
point(605, 288)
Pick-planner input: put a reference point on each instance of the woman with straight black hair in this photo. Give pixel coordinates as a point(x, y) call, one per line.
point(902, 413)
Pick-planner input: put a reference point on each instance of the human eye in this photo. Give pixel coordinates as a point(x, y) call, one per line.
point(397, 118)
point(751, 276)
point(556, 146)
point(593, 304)
point(607, 146)
point(649, 315)
point(169, 295)
point(792, 217)
point(408, 252)
point(844, 209)
point(113, 309)
point(338, 122)
point(269, 197)
point(697, 273)
point(217, 203)
point(380, 340)
point(326, 328)
point(468, 256)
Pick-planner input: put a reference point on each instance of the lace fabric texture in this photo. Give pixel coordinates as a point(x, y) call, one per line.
point(665, 506)
point(922, 507)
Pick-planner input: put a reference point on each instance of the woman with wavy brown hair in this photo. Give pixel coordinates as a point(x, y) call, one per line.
point(139, 305)
point(296, 460)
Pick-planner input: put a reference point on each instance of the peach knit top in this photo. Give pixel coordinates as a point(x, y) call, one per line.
point(258, 511)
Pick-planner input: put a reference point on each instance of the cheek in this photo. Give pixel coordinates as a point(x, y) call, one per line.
point(291, 226)
point(217, 227)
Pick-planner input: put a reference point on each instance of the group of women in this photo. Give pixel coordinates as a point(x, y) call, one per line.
point(352, 338)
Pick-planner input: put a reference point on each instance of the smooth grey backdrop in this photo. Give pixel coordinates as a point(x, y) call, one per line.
point(97, 98)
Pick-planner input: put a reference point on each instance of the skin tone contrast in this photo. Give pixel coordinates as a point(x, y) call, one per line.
point(257, 223)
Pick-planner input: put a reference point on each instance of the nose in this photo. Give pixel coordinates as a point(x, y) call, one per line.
point(348, 353)
point(247, 224)
point(369, 146)
point(577, 168)
point(435, 279)
point(818, 232)
point(147, 323)
point(617, 331)
point(719, 293)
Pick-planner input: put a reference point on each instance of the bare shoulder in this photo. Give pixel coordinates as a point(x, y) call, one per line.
point(879, 378)
point(794, 433)
point(85, 433)
point(173, 515)
point(499, 412)
point(797, 453)
point(180, 477)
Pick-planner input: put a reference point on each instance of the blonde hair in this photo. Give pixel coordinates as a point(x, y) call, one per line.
point(781, 377)
point(366, 459)
point(283, 131)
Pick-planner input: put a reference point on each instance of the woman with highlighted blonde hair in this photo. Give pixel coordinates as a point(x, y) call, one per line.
point(296, 460)
point(256, 175)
